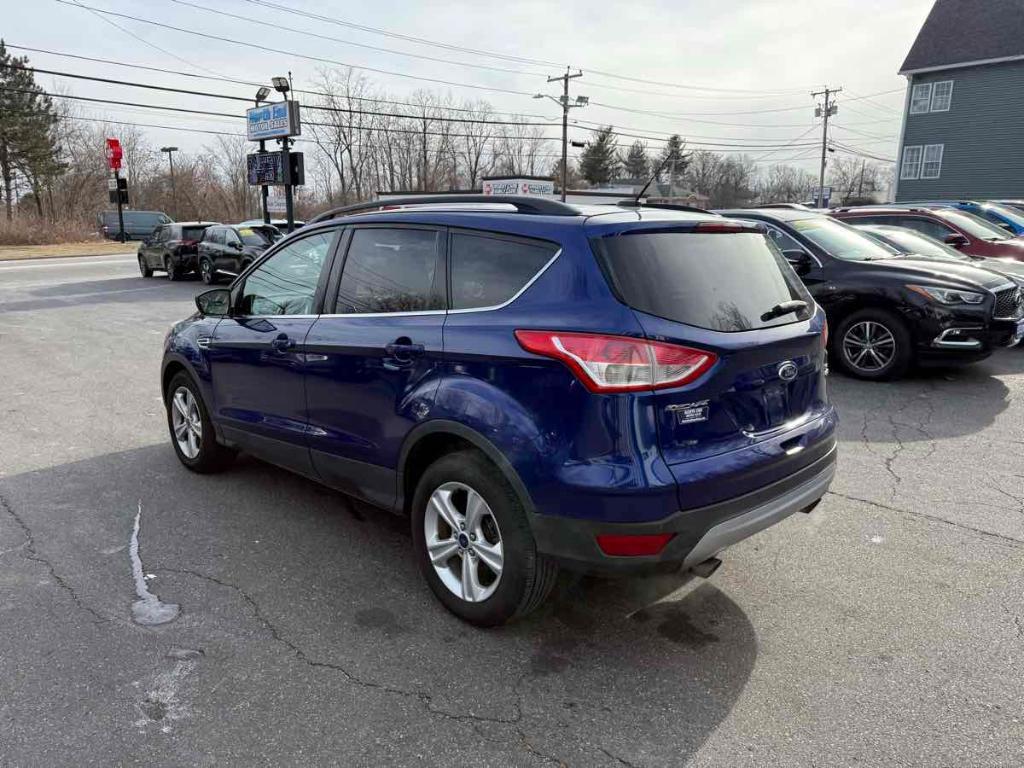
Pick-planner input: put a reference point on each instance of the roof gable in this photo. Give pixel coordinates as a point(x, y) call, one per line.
point(965, 31)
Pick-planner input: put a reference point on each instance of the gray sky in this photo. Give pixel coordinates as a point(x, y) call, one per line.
point(706, 61)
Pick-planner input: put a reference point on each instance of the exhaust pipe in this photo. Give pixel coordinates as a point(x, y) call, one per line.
point(708, 567)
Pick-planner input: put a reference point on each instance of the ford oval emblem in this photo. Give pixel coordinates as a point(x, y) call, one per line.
point(788, 370)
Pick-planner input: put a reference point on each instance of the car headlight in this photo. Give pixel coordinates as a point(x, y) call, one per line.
point(948, 295)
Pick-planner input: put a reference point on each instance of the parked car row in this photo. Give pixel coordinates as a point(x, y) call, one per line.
point(212, 250)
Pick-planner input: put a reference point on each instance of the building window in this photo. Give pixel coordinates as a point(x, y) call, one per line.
point(921, 99)
point(932, 165)
point(911, 163)
point(942, 96)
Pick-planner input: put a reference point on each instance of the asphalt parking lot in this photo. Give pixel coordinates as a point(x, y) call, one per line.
point(886, 628)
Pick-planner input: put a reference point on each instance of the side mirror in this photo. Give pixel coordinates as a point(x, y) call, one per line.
point(235, 245)
point(799, 260)
point(215, 303)
point(956, 240)
point(1007, 226)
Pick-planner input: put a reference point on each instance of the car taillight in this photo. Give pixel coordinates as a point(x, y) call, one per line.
point(824, 335)
point(607, 363)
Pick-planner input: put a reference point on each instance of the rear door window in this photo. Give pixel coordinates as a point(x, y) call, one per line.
point(488, 271)
point(392, 270)
point(720, 281)
point(192, 233)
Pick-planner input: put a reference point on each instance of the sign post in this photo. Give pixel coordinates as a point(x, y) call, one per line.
point(114, 154)
point(276, 121)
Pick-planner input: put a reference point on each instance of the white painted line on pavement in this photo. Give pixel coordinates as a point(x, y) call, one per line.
point(76, 262)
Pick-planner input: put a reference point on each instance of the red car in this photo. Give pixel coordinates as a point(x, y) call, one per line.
point(964, 231)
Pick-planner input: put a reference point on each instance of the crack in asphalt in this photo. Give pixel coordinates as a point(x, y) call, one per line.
point(33, 554)
point(619, 760)
point(425, 699)
point(934, 518)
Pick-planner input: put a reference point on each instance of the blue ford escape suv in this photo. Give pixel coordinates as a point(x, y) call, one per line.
point(534, 384)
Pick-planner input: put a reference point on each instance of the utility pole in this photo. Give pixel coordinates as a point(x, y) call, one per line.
point(174, 193)
point(581, 101)
point(824, 112)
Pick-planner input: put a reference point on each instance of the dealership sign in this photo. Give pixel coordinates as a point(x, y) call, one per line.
point(273, 121)
point(512, 186)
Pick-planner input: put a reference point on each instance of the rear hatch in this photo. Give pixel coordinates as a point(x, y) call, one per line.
point(754, 417)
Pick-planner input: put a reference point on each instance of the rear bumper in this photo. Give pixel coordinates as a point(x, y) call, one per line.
point(698, 533)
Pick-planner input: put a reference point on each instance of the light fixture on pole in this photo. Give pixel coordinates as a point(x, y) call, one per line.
point(282, 85)
point(261, 94)
point(174, 194)
point(566, 105)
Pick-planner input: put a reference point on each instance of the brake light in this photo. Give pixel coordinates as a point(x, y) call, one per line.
point(711, 227)
point(607, 363)
point(824, 335)
point(636, 545)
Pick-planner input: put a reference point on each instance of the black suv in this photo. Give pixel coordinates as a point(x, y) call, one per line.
point(229, 249)
point(171, 248)
point(887, 310)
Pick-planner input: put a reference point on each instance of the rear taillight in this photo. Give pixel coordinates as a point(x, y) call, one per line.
point(619, 363)
point(824, 336)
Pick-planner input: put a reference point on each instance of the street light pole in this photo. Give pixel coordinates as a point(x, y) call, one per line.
point(174, 192)
point(283, 86)
point(581, 101)
point(825, 112)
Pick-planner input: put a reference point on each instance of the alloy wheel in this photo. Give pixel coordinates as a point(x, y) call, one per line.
point(463, 542)
point(868, 346)
point(206, 271)
point(186, 422)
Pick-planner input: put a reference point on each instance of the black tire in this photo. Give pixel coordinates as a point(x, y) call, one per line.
point(527, 577)
point(144, 269)
point(206, 272)
point(172, 272)
point(901, 358)
point(212, 457)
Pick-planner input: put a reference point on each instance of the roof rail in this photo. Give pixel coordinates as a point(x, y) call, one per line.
point(522, 204)
point(664, 206)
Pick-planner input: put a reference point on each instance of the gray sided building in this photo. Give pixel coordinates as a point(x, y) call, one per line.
point(963, 123)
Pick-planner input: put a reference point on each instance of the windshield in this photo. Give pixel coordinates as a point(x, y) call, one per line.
point(257, 235)
point(841, 241)
point(1006, 212)
point(975, 226)
point(724, 282)
point(917, 244)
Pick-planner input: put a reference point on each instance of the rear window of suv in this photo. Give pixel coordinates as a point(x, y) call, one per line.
point(719, 281)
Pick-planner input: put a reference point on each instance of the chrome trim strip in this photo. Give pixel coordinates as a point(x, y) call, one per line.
point(387, 314)
point(941, 342)
point(504, 304)
point(516, 295)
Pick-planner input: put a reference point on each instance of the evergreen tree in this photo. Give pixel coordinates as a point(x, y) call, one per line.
point(636, 164)
point(599, 161)
point(673, 160)
point(27, 130)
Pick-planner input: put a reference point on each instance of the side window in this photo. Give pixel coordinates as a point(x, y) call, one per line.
point(911, 168)
point(924, 226)
point(230, 237)
point(921, 99)
point(218, 236)
point(783, 241)
point(942, 96)
point(391, 270)
point(488, 271)
point(285, 284)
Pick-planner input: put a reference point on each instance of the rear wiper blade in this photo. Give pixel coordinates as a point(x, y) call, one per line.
point(785, 308)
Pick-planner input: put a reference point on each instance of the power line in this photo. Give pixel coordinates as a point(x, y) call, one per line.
point(353, 43)
point(294, 53)
point(335, 62)
point(251, 83)
point(749, 92)
point(189, 92)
